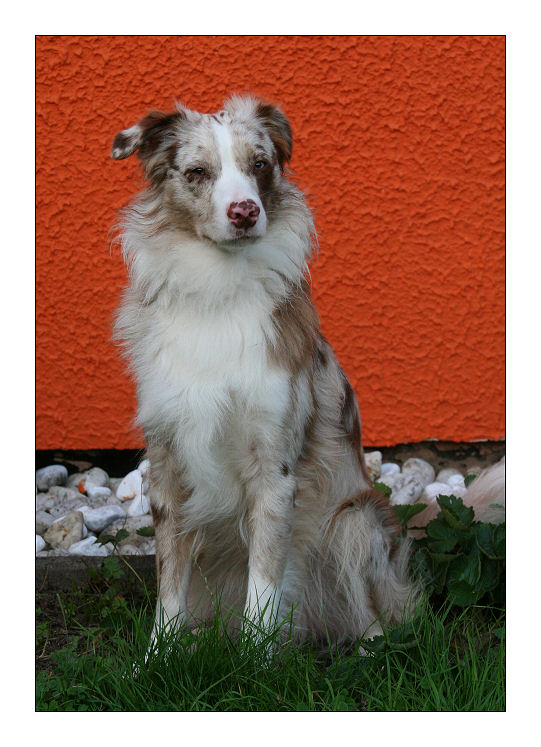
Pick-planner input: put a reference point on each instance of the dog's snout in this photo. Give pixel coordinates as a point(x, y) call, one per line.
point(243, 214)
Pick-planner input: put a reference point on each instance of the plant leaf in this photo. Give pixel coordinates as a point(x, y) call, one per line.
point(462, 594)
point(121, 535)
point(499, 540)
point(442, 538)
point(385, 489)
point(455, 512)
point(489, 541)
point(443, 557)
point(489, 575)
point(466, 568)
point(146, 531)
point(406, 512)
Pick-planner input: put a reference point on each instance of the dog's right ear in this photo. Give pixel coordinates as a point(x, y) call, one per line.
point(148, 132)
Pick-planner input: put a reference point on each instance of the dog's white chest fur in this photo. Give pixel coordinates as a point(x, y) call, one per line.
point(206, 375)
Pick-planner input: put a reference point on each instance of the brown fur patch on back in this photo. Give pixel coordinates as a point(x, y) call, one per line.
point(296, 323)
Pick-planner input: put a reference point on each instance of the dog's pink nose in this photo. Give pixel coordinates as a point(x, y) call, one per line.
point(243, 214)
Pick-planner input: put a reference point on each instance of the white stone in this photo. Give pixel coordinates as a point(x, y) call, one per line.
point(434, 489)
point(43, 521)
point(131, 486)
point(60, 508)
point(40, 543)
point(60, 493)
point(114, 482)
point(89, 546)
point(456, 481)
point(410, 490)
point(95, 478)
point(138, 506)
point(54, 474)
point(97, 491)
point(424, 472)
point(113, 501)
point(444, 474)
point(393, 480)
point(129, 549)
point(97, 519)
point(373, 464)
point(44, 501)
point(75, 480)
point(63, 500)
point(389, 468)
point(65, 531)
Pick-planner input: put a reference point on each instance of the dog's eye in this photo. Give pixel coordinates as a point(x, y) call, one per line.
point(196, 173)
point(259, 165)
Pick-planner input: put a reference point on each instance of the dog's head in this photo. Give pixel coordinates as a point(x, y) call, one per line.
point(218, 175)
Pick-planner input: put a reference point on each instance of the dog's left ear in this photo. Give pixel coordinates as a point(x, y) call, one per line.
point(279, 129)
point(144, 136)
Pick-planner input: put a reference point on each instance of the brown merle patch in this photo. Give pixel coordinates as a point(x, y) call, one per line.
point(296, 324)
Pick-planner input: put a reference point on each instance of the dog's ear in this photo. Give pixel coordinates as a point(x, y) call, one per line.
point(279, 129)
point(145, 136)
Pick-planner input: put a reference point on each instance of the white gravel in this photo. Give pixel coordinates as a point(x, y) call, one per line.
point(72, 509)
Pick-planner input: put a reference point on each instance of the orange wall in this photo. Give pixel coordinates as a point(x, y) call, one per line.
point(399, 142)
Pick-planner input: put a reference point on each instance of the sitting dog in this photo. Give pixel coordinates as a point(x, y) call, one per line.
point(259, 489)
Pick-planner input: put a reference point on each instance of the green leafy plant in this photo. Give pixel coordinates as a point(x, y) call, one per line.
point(460, 557)
point(114, 539)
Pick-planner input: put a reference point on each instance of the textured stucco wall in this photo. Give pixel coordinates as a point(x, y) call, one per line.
point(399, 142)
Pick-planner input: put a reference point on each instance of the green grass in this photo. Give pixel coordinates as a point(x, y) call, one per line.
point(89, 640)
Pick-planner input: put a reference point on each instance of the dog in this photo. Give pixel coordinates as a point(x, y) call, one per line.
point(260, 495)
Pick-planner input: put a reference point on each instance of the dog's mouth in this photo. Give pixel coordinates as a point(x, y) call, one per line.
point(235, 244)
point(236, 240)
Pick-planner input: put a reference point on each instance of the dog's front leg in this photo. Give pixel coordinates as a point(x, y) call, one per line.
point(173, 571)
point(270, 528)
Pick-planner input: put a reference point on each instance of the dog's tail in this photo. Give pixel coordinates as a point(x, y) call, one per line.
point(486, 495)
